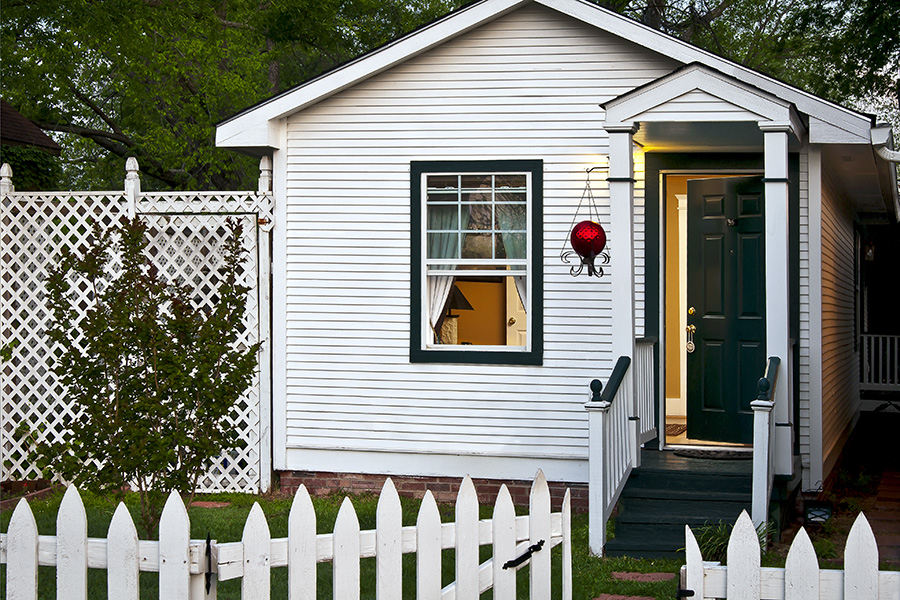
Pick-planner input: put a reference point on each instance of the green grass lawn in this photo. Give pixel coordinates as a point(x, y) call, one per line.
point(592, 575)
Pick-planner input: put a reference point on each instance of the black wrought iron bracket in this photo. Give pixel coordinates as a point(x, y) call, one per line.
point(511, 564)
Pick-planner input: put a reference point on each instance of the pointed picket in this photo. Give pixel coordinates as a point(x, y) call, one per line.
point(302, 547)
point(743, 560)
point(346, 553)
point(801, 569)
point(504, 531)
point(466, 541)
point(428, 550)
point(22, 554)
point(389, 551)
point(71, 547)
point(861, 573)
point(174, 550)
point(257, 543)
point(567, 546)
point(694, 565)
point(122, 556)
point(539, 530)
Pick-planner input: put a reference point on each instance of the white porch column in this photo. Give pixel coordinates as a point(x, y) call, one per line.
point(778, 300)
point(621, 252)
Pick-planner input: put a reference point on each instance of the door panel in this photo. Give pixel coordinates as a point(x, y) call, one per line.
point(726, 287)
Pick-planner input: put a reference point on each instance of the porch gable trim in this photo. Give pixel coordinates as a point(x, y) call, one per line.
point(637, 105)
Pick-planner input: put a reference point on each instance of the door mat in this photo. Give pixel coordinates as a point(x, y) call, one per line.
point(676, 428)
point(715, 454)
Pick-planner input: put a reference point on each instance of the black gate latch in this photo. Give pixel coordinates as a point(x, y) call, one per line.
point(525, 556)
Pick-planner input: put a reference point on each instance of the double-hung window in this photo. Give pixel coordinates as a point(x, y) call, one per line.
point(476, 261)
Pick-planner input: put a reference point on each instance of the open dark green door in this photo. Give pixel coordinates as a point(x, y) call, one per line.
point(726, 289)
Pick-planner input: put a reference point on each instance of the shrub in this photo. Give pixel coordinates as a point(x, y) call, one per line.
point(152, 377)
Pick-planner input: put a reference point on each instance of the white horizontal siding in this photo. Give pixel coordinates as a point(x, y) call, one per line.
point(528, 85)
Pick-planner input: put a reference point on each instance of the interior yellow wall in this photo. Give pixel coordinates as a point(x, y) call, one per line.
point(487, 323)
point(675, 184)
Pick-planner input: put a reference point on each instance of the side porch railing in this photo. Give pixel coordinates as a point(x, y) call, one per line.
point(879, 362)
point(620, 419)
point(764, 442)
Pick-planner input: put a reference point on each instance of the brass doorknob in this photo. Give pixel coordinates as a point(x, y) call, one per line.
point(691, 310)
point(512, 321)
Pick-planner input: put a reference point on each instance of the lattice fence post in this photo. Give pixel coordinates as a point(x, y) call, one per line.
point(132, 185)
point(6, 185)
point(265, 175)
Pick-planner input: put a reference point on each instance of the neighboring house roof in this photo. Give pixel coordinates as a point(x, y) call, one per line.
point(16, 130)
point(250, 130)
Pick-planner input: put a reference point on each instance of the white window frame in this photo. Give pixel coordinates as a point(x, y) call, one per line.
point(528, 262)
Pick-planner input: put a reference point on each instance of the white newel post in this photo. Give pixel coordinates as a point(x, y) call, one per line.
point(762, 414)
point(132, 185)
point(598, 413)
point(778, 285)
point(621, 210)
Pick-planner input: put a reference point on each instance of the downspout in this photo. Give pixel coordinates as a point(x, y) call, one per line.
point(882, 144)
point(888, 155)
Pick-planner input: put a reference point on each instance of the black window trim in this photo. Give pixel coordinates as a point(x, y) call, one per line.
point(534, 356)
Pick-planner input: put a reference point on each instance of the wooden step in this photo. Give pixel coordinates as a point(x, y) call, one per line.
point(668, 492)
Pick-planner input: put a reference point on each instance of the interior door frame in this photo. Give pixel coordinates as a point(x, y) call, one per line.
point(657, 166)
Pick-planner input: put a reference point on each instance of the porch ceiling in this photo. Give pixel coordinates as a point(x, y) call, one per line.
point(855, 168)
point(699, 136)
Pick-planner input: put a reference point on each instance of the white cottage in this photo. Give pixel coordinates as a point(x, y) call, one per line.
point(424, 323)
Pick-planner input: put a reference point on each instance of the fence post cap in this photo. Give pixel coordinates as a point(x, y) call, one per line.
point(131, 166)
point(6, 170)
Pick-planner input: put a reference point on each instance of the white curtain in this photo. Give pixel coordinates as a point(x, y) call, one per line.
point(522, 288)
point(439, 287)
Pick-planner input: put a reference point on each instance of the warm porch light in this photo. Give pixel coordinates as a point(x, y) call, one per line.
point(588, 238)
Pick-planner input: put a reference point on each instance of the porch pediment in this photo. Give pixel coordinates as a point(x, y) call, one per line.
point(695, 94)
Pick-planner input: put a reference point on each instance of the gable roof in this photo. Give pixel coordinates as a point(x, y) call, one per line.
point(16, 130)
point(254, 129)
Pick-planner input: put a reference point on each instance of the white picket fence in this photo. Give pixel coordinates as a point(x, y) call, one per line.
point(800, 579)
point(184, 565)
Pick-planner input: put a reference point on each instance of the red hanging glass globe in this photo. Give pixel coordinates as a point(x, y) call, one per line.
point(588, 240)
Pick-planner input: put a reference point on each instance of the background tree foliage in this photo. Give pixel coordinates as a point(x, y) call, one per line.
point(150, 78)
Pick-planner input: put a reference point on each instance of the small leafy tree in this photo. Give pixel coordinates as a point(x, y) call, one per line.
point(152, 376)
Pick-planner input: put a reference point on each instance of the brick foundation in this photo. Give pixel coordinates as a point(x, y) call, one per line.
point(320, 483)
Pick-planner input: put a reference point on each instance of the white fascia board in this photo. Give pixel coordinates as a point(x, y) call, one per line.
point(265, 135)
point(630, 106)
point(854, 126)
point(249, 129)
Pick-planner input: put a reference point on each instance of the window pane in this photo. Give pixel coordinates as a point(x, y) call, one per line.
point(443, 245)
point(479, 216)
point(505, 181)
point(510, 217)
point(442, 181)
point(477, 181)
point(477, 245)
point(443, 218)
point(442, 196)
point(514, 244)
point(480, 311)
point(510, 197)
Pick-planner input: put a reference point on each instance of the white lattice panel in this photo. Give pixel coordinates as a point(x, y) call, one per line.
point(186, 230)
